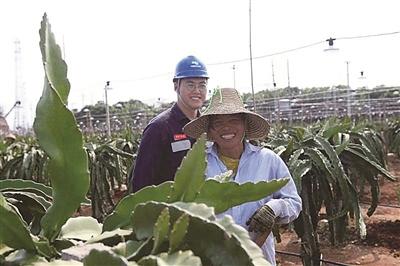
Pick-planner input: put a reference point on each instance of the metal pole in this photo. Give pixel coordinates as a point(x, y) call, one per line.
point(251, 59)
point(288, 74)
point(107, 110)
point(276, 95)
point(369, 108)
point(90, 122)
point(290, 92)
point(87, 122)
point(334, 101)
point(234, 76)
point(348, 91)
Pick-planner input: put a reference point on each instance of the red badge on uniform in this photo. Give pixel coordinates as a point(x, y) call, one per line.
point(179, 136)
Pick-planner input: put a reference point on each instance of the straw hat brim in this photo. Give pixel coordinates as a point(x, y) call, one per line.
point(256, 126)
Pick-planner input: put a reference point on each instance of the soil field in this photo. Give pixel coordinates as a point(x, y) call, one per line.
point(382, 244)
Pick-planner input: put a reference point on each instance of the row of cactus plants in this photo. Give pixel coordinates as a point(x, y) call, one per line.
point(109, 162)
point(328, 161)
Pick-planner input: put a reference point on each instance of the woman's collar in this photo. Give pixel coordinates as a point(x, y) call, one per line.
point(248, 148)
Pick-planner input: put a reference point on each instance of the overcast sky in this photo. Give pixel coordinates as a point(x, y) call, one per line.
point(136, 45)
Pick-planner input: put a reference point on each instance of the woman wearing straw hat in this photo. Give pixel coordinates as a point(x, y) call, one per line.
point(229, 125)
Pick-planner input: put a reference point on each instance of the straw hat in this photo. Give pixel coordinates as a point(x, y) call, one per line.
point(227, 101)
point(10, 136)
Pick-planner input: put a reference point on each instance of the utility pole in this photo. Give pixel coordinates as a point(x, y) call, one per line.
point(276, 94)
point(348, 91)
point(107, 87)
point(333, 90)
point(234, 76)
point(251, 59)
point(273, 75)
point(290, 92)
point(288, 73)
point(89, 125)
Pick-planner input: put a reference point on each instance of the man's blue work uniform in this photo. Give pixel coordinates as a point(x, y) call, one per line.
point(161, 149)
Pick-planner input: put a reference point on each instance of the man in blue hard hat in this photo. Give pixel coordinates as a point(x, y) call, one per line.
point(163, 143)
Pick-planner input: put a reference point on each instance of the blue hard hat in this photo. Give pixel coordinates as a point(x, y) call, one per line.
point(190, 67)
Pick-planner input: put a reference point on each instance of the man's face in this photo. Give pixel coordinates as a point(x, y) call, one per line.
point(227, 130)
point(192, 92)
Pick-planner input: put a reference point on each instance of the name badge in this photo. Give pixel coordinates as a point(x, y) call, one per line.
point(179, 137)
point(181, 145)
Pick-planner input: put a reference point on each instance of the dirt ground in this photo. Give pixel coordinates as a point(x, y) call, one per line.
point(382, 245)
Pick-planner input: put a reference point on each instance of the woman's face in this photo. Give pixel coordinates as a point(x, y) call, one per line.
point(227, 131)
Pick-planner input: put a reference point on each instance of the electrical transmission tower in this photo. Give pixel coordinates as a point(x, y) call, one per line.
point(19, 114)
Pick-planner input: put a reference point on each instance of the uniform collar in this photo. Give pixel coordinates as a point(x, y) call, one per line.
point(179, 115)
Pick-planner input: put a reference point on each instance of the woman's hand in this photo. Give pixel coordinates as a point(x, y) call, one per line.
point(261, 223)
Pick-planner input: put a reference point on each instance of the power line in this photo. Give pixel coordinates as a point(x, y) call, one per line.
point(270, 55)
point(267, 55)
point(143, 78)
point(303, 47)
point(368, 36)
